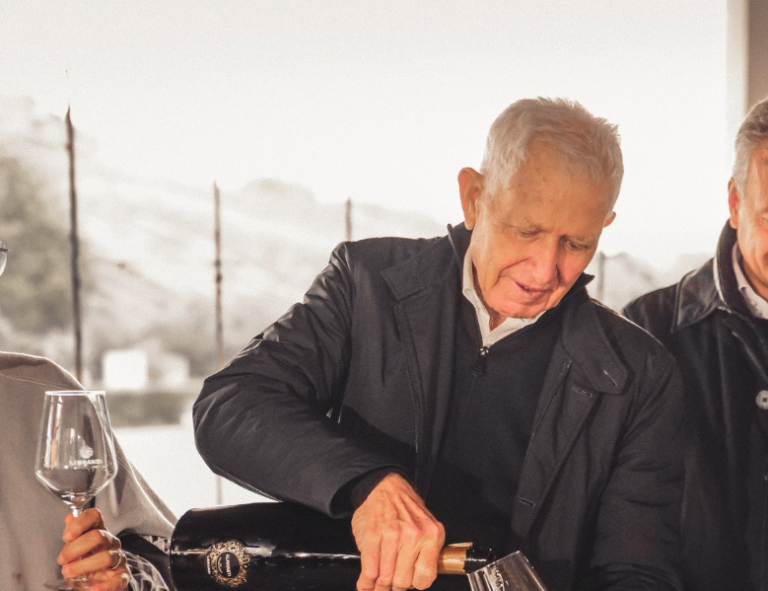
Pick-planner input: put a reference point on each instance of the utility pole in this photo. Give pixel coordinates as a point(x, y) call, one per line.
point(219, 322)
point(217, 240)
point(349, 219)
point(75, 250)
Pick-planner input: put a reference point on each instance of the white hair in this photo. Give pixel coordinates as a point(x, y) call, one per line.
point(588, 143)
point(753, 133)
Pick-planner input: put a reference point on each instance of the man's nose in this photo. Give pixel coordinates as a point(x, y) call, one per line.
point(545, 264)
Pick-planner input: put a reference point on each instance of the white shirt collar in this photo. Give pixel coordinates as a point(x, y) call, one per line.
point(756, 304)
point(507, 327)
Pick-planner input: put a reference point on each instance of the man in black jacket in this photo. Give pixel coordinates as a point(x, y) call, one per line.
point(715, 322)
point(466, 388)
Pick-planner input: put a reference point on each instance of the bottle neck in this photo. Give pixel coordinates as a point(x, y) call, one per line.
point(477, 557)
point(463, 558)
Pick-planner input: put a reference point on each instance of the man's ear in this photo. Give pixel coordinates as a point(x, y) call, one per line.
point(734, 201)
point(609, 220)
point(470, 189)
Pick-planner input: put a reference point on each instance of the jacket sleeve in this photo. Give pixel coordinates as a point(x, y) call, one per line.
point(637, 541)
point(267, 420)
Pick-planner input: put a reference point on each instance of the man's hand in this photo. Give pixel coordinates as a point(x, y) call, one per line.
point(90, 550)
point(398, 538)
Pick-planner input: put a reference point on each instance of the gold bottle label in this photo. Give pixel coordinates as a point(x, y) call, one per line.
point(226, 562)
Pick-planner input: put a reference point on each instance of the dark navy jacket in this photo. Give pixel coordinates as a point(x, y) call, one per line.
point(358, 376)
point(722, 352)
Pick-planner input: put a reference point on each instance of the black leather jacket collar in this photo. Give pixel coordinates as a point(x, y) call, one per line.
point(711, 287)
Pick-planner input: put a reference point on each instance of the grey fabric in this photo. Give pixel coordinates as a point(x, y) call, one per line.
point(31, 518)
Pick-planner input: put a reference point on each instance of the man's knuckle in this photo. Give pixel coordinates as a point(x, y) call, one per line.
point(386, 573)
point(433, 529)
point(369, 572)
point(391, 530)
point(93, 537)
point(392, 525)
point(423, 578)
point(93, 516)
point(402, 582)
point(409, 533)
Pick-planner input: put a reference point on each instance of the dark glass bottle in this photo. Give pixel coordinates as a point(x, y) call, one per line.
point(278, 547)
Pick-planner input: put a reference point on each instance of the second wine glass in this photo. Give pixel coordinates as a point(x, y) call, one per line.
point(75, 451)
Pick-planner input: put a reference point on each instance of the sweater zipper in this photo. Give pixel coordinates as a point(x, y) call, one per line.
point(481, 363)
point(478, 370)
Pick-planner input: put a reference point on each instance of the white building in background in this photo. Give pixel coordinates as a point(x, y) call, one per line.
point(125, 370)
point(143, 368)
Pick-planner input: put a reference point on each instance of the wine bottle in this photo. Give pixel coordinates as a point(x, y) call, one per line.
point(279, 547)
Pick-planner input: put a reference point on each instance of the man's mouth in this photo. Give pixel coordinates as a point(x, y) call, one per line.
point(532, 290)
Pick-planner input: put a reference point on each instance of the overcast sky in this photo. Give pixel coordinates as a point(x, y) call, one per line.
point(385, 100)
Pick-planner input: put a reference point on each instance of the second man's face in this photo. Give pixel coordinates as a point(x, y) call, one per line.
point(749, 217)
point(531, 241)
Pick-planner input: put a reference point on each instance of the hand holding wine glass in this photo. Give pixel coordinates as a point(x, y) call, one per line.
point(90, 549)
point(75, 454)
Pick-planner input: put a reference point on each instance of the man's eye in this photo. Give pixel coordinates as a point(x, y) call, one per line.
point(526, 233)
point(576, 247)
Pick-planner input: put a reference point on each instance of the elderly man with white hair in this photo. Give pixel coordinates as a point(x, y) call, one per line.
point(39, 539)
point(715, 323)
point(467, 388)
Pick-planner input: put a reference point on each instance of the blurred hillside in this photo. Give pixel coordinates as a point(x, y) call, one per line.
point(148, 248)
point(148, 251)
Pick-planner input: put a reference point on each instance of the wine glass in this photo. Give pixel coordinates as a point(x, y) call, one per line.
point(75, 453)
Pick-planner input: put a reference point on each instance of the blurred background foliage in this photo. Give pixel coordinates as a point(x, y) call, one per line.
point(36, 290)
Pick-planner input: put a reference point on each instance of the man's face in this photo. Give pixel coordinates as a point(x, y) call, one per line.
point(749, 217)
point(531, 242)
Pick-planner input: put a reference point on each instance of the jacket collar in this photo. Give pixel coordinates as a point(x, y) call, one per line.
point(430, 267)
point(582, 335)
point(460, 238)
point(709, 288)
